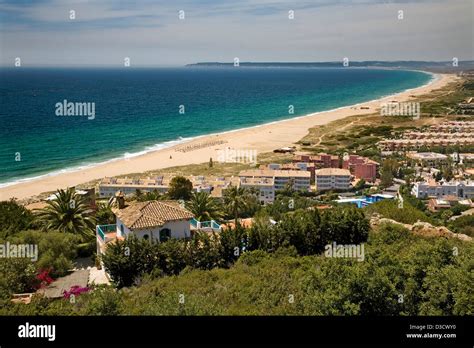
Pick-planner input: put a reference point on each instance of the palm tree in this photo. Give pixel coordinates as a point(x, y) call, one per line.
point(236, 200)
point(68, 212)
point(151, 196)
point(104, 214)
point(203, 206)
point(138, 194)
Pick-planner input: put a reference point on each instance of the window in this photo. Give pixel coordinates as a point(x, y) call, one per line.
point(165, 234)
point(122, 231)
point(146, 236)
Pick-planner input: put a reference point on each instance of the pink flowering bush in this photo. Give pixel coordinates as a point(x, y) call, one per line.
point(75, 290)
point(43, 278)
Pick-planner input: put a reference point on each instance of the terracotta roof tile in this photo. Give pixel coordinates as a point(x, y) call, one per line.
point(151, 214)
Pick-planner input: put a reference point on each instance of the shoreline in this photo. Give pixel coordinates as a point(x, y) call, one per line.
point(262, 138)
point(176, 142)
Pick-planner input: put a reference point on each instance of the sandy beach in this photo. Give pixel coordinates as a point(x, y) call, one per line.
point(263, 138)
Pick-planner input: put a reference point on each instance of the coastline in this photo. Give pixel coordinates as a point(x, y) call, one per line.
point(262, 138)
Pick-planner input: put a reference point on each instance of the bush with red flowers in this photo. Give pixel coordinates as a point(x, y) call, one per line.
point(75, 290)
point(43, 278)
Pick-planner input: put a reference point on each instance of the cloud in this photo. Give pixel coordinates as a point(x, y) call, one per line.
point(150, 32)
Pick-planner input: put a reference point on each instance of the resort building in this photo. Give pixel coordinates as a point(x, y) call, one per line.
point(200, 183)
point(446, 202)
point(428, 158)
point(304, 166)
point(361, 167)
point(333, 179)
point(453, 126)
point(466, 107)
point(322, 160)
point(436, 135)
point(265, 186)
point(212, 185)
point(432, 189)
point(463, 158)
point(299, 180)
point(437, 204)
point(109, 186)
point(413, 144)
point(220, 184)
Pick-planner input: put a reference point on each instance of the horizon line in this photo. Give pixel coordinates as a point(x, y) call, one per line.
point(231, 63)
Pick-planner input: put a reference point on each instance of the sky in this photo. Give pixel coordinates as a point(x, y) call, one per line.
point(150, 33)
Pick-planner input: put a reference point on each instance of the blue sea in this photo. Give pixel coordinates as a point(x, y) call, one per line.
point(138, 110)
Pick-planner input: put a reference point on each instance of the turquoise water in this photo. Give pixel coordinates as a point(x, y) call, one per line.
point(138, 110)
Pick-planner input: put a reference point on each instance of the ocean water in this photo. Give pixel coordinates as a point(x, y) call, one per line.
point(138, 110)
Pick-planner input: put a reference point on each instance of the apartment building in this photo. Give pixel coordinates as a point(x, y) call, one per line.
point(433, 189)
point(467, 106)
point(322, 160)
point(436, 135)
point(109, 186)
point(361, 167)
point(265, 186)
point(411, 144)
point(303, 166)
point(300, 180)
point(453, 126)
point(212, 185)
point(428, 158)
point(333, 179)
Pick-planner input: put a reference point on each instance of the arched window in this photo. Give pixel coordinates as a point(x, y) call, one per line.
point(146, 236)
point(165, 234)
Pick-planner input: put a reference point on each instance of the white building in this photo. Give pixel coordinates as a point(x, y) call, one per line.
point(430, 158)
point(265, 186)
point(332, 179)
point(300, 180)
point(154, 220)
point(109, 186)
point(460, 189)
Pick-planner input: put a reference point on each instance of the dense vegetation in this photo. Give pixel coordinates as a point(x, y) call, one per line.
point(61, 232)
point(307, 232)
point(13, 218)
point(56, 252)
point(407, 214)
point(402, 274)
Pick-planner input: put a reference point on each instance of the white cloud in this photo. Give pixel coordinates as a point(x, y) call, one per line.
point(152, 34)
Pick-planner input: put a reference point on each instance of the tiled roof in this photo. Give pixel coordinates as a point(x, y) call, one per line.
point(246, 223)
point(151, 214)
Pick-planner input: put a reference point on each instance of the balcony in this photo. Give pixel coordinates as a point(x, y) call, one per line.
point(106, 233)
point(205, 225)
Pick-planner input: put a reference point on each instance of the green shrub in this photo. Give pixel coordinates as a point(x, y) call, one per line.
point(13, 218)
point(390, 210)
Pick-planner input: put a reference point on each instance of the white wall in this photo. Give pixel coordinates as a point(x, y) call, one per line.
point(125, 228)
point(179, 229)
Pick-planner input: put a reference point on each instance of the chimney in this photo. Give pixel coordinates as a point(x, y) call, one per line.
point(120, 198)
